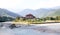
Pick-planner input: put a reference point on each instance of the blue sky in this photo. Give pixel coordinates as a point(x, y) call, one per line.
point(18, 5)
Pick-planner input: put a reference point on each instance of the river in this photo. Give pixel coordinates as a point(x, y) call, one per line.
point(33, 29)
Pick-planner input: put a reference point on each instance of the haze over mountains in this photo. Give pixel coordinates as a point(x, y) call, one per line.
point(39, 13)
point(43, 12)
point(5, 12)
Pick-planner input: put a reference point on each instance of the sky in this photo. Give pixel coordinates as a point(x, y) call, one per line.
point(19, 5)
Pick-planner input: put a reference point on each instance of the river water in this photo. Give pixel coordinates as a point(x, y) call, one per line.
point(39, 29)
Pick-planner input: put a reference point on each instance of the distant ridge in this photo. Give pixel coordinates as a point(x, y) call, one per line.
point(56, 13)
point(5, 12)
point(38, 13)
point(42, 12)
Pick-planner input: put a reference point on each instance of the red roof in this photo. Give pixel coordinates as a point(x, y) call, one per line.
point(29, 15)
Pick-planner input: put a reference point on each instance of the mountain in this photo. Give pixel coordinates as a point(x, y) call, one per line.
point(37, 13)
point(42, 12)
point(26, 11)
point(56, 13)
point(57, 7)
point(5, 12)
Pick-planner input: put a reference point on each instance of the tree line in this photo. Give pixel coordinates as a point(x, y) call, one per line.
point(4, 18)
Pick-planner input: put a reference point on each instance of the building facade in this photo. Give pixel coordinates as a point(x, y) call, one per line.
point(29, 16)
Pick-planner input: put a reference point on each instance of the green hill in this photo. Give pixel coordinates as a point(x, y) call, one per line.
point(55, 13)
point(5, 12)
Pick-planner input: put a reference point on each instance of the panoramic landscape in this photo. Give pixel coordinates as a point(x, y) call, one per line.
point(29, 17)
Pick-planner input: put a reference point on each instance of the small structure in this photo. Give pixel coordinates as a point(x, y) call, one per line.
point(29, 16)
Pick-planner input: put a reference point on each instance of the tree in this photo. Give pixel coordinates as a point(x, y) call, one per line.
point(57, 17)
point(18, 18)
point(4, 18)
point(52, 18)
point(48, 18)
